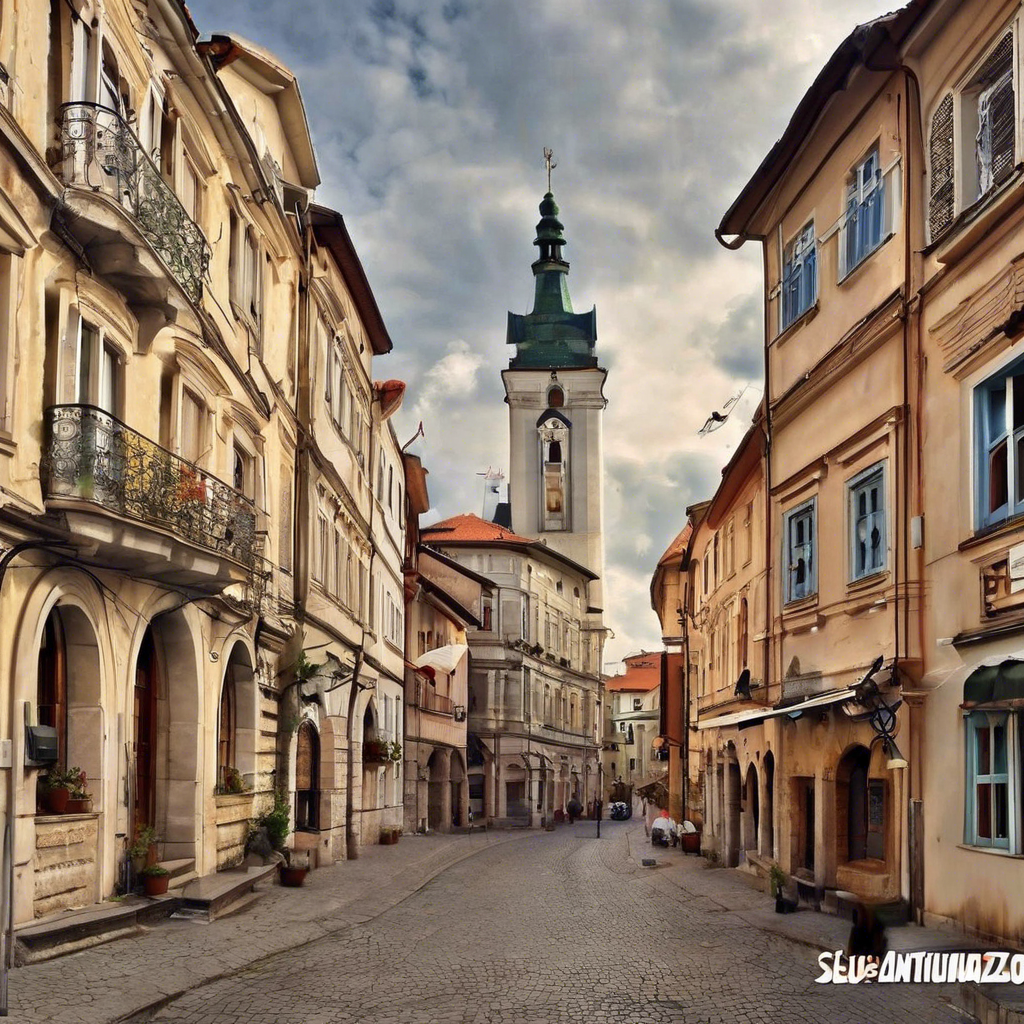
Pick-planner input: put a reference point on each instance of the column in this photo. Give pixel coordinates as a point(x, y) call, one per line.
point(445, 779)
point(824, 828)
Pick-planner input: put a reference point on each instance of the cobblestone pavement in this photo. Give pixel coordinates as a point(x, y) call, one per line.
point(557, 928)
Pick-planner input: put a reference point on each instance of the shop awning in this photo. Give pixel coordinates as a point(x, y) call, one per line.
point(991, 683)
point(754, 715)
point(443, 659)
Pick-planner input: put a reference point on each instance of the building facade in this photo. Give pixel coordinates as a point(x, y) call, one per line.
point(634, 748)
point(534, 682)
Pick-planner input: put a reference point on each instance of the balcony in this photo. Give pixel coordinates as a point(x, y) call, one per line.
point(427, 700)
point(132, 504)
point(127, 218)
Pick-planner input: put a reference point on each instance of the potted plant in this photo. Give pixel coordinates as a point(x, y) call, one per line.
point(376, 752)
point(276, 821)
point(80, 801)
point(57, 784)
point(155, 879)
point(232, 780)
point(143, 848)
point(396, 751)
point(294, 869)
point(778, 880)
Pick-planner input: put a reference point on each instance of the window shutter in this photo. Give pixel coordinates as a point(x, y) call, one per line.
point(940, 150)
point(999, 70)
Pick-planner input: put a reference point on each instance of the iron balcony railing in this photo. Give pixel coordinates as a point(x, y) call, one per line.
point(430, 701)
point(93, 456)
point(102, 153)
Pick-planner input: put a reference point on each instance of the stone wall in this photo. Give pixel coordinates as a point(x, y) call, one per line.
point(65, 862)
point(233, 813)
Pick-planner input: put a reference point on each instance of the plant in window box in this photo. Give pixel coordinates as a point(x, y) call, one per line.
point(395, 751)
point(232, 781)
point(142, 850)
point(56, 785)
point(376, 752)
point(155, 879)
point(80, 801)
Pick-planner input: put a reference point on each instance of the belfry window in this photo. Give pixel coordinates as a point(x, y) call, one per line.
point(554, 435)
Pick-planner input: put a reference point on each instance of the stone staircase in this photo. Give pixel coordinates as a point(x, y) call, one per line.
point(189, 897)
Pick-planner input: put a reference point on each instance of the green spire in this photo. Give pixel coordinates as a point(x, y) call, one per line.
point(552, 335)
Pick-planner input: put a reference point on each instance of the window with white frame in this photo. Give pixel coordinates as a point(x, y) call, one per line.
point(799, 539)
point(999, 446)
point(972, 136)
point(992, 786)
point(638, 703)
point(92, 369)
point(320, 561)
point(799, 290)
point(868, 553)
point(864, 222)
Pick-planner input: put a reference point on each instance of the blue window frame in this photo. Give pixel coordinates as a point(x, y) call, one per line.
point(799, 537)
point(999, 446)
point(990, 797)
point(799, 276)
point(868, 551)
point(863, 229)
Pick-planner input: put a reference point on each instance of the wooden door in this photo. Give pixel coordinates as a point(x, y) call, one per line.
point(307, 778)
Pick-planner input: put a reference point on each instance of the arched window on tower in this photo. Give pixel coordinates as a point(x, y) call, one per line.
point(556, 398)
point(554, 438)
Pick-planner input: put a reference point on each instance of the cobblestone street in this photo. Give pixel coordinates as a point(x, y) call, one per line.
point(552, 928)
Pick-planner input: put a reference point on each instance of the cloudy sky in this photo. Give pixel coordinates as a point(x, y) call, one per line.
point(429, 119)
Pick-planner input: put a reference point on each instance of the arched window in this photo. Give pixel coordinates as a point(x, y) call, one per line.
point(556, 398)
point(307, 778)
point(227, 726)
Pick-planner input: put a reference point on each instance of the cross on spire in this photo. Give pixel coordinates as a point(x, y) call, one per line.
point(549, 164)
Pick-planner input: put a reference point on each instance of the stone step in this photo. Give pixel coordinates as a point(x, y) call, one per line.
point(180, 881)
point(73, 930)
point(216, 894)
point(175, 868)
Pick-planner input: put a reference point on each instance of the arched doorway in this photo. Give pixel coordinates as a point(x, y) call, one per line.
point(146, 694)
point(236, 720)
point(852, 804)
point(307, 778)
point(733, 785)
point(751, 810)
point(459, 791)
point(768, 811)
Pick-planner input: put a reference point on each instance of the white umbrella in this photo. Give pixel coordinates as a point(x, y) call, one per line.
point(443, 659)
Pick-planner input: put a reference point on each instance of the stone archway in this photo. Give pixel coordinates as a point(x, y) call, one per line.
point(307, 778)
point(766, 839)
point(167, 661)
point(238, 712)
point(459, 790)
point(439, 791)
point(733, 783)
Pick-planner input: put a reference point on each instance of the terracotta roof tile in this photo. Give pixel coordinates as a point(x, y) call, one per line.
point(470, 528)
point(676, 548)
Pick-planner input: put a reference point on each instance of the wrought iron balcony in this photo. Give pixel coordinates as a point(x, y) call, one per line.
point(94, 457)
point(102, 153)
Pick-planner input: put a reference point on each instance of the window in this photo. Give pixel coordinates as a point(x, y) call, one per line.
point(96, 377)
point(320, 561)
point(193, 414)
point(999, 446)
point(638, 703)
point(748, 534)
point(988, 790)
point(623, 727)
point(191, 189)
point(632, 764)
point(798, 533)
point(867, 522)
point(486, 612)
point(556, 398)
point(284, 554)
point(972, 128)
point(865, 213)
point(242, 473)
point(799, 276)
point(226, 727)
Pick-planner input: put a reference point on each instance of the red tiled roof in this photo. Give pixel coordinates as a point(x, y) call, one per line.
point(470, 528)
point(677, 547)
point(643, 673)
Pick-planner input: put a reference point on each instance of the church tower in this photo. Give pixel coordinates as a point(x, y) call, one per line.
point(555, 392)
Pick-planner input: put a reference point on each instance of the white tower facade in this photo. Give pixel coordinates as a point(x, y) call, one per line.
point(555, 392)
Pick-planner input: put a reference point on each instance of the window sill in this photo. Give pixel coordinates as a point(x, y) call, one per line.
point(864, 260)
point(976, 220)
point(790, 329)
point(800, 604)
point(997, 851)
point(8, 446)
point(868, 582)
point(993, 532)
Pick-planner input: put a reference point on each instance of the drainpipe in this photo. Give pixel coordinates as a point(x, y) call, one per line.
point(10, 812)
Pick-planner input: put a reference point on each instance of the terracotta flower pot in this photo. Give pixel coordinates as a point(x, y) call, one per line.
point(155, 885)
point(690, 842)
point(293, 877)
point(82, 805)
point(57, 799)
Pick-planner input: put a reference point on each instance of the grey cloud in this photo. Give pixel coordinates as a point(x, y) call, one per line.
point(429, 120)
